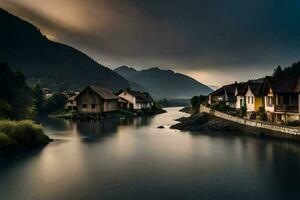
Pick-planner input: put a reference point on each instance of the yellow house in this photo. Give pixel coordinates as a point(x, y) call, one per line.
point(253, 96)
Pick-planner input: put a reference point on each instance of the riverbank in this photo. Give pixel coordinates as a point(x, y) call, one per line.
point(121, 113)
point(208, 123)
point(20, 136)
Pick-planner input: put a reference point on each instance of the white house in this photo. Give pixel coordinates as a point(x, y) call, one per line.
point(240, 99)
point(137, 100)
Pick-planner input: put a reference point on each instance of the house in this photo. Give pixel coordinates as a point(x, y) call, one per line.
point(137, 100)
point(72, 103)
point(47, 93)
point(240, 99)
point(281, 97)
point(96, 100)
point(253, 96)
point(225, 94)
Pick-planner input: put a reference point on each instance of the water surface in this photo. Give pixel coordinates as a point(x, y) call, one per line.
point(133, 159)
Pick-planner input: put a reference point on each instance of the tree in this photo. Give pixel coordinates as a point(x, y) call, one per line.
point(277, 72)
point(5, 110)
point(38, 96)
point(15, 92)
point(56, 103)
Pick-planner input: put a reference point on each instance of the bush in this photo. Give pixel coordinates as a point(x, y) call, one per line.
point(219, 107)
point(262, 114)
point(24, 134)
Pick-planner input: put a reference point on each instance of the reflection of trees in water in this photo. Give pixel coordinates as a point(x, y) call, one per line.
point(55, 124)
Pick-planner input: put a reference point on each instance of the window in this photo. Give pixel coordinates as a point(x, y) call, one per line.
point(269, 101)
point(248, 100)
point(252, 100)
point(84, 106)
point(93, 106)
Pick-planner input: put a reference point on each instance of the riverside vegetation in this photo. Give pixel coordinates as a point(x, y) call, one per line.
point(19, 136)
point(18, 106)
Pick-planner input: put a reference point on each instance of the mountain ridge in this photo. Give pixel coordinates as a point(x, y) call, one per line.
point(164, 83)
point(24, 47)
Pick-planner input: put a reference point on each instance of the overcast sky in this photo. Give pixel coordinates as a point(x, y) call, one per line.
point(214, 41)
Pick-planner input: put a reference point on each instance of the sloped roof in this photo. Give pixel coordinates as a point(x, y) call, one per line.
point(140, 96)
point(230, 89)
point(255, 87)
point(240, 88)
point(284, 84)
point(102, 92)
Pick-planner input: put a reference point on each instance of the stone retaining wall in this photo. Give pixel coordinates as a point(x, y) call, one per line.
point(248, 122)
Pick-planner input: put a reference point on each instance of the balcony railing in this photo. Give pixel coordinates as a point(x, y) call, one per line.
point(287, 108)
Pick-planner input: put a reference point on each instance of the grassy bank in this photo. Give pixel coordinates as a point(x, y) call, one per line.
point(18, 136)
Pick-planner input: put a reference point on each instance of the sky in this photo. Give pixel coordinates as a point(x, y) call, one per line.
point(216, 42)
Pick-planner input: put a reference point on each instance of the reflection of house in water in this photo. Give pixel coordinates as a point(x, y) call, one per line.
point(97, 128)
point(137, 121)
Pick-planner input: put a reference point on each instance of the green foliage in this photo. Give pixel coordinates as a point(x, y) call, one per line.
point(55, 104)
point(219, 107)
point(262, 114)
point(5, 110)
point(292, 71)
point(23, 134)
point(38, 96)
point(196, 101)
point(15, 92)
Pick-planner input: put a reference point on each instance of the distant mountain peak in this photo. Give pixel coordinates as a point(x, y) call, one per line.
point(164, 83)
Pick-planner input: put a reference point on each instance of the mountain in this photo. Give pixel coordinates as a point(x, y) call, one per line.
point(24, 47)
point(164, 83)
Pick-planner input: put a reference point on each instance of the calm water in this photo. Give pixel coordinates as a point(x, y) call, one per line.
point(134, 160)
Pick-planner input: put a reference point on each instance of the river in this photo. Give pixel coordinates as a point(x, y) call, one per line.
point(133, 159)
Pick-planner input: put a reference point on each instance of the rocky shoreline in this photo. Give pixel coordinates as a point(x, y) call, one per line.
point(207, 123)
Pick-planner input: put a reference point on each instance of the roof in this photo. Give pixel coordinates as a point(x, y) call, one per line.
point(240, 88)
point(255, 87)
point(230, 91)
point(102, 92)
point(140, 96)
point(284, 84)
point(73, 97)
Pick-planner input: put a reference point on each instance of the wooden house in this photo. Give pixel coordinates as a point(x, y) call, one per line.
point(137, 100)
point(72, 103)
point(96, 100)
point(281, 97)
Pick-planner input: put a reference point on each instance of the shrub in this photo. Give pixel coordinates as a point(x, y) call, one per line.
point(262, 114)
point(25, 134)
point(219, 107)
point(5, 141)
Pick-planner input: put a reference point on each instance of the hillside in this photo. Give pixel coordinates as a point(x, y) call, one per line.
point(164, 83)
point(24, 47)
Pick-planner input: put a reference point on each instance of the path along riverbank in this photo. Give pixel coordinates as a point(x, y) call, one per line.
point(214, 121)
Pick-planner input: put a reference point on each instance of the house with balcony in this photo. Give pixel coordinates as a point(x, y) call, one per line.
point(281, 99)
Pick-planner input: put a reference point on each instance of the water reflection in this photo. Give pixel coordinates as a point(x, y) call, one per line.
point(132, 159)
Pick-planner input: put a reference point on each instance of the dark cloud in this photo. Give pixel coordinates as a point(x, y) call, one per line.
point(243, 39)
